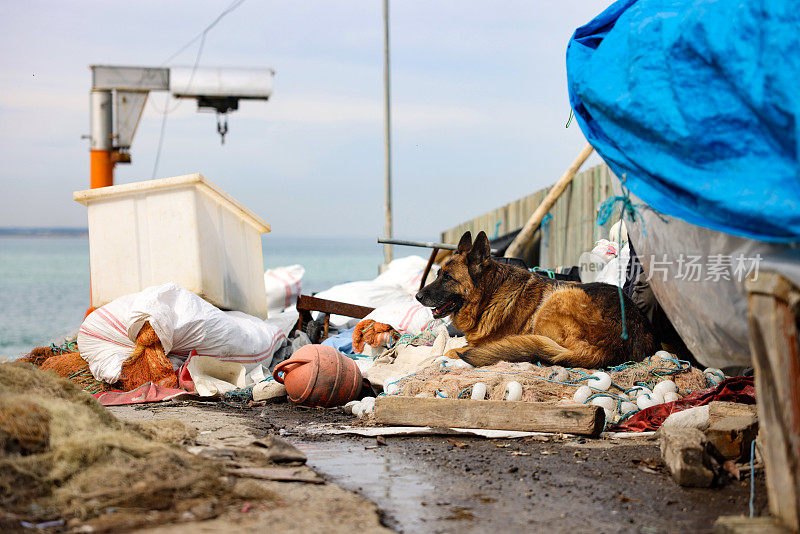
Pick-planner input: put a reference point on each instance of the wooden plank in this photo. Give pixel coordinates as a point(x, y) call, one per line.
point(738, 524)
point(718, 410)
point(684, 453)
point(772, 316)
point(732, 436)
point(490, 414)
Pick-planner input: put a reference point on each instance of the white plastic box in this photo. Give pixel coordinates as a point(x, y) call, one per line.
point(182, 229)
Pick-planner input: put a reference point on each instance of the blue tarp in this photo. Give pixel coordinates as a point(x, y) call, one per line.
point(695, 103)
point(343, 341)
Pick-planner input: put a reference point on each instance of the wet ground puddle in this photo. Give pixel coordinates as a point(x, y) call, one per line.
point(384, 477)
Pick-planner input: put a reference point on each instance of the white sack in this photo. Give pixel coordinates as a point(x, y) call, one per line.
point(605, 250)
point(283, 285)
point(407, 317)
point(212, 376)
point(371, 294)
point(615, 271)
point(183, 322)
point(407, 273)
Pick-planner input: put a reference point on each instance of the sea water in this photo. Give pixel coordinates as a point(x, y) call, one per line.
point(44, 281)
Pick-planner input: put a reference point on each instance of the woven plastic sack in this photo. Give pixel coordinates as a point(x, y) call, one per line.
point(371, 294)
point(407, 316)
point(283, 285)
point(183, 322)
point(407, 273)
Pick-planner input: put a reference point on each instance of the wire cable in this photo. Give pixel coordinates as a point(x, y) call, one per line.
point(233, 6)
point(202, 36)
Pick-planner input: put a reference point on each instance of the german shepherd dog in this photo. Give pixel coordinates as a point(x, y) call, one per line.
point(511, 314)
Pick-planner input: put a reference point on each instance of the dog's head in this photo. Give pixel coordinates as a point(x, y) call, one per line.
point(458, 277)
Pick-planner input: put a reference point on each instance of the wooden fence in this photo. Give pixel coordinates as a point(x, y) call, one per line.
point(572, 228)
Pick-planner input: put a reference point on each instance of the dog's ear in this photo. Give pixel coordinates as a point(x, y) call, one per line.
point(480, 250)
point(465, 243)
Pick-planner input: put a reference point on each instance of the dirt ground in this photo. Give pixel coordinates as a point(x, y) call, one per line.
point(461, 484)
point(301, 507)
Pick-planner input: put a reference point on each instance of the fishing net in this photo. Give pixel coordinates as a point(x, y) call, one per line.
point(39, 355)
point(147, 363)
point(547, 383)
point(63, 455)
point(71, 366)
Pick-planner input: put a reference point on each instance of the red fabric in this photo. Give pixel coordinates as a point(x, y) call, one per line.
point(185, 377)
point(736, 389)
point(148, 392)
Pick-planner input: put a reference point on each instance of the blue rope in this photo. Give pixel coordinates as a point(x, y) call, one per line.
point(627, 209)
point(624, 334)
point(545, 226)
point(237, 398)
point(497, 229)
point(68, 346)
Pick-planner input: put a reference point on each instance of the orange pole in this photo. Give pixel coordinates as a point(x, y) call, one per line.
point(102, 169)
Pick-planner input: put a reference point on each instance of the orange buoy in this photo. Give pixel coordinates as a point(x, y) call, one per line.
point(318, 375)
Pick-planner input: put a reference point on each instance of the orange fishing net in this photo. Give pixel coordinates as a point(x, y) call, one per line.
point(38, 356)
point(70, 365)
point(147, 363)
point(373, 334)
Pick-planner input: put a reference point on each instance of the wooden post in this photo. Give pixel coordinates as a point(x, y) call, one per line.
point(525, 235)
point(773, 305)
point(387, 132)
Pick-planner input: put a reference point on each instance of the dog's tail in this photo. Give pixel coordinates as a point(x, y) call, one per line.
point(531, 348)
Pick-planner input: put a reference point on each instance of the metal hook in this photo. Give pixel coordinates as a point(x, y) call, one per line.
point(222, 128)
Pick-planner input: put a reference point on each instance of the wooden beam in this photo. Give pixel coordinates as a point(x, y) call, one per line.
point(305, 302)
point(491, 414)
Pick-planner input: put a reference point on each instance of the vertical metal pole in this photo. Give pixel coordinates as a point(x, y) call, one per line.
point(102, 162)
point(387, 204)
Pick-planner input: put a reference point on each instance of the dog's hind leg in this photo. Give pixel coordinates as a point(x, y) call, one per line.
point(516, 348)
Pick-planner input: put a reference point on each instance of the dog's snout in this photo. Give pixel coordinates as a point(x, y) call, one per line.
point(419, 296)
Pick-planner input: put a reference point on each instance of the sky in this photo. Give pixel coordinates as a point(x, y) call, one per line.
point(479, 107)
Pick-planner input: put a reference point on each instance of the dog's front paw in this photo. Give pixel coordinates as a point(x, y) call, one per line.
point(473, 356)
point(455, 354)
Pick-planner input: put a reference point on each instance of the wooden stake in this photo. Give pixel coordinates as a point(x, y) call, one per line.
point(525, 235)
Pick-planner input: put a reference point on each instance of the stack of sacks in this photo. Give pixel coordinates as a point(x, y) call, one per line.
point(147, 336)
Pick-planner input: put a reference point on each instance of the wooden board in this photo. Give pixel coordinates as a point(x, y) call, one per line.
point(748, 525)
point(772, 313)
point(719, 410)
point(490, 414)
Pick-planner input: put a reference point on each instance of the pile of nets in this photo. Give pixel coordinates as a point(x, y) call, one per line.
point(546, 383)
point(66, 362)
point(64, 456)
point(147, 363)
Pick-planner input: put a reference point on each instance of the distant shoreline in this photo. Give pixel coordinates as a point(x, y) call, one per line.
point(44, 232)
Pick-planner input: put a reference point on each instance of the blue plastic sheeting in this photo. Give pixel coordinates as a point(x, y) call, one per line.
point(695, 103)
point(343, 341)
